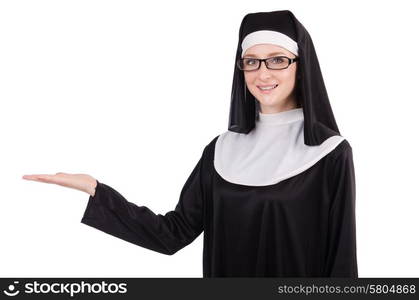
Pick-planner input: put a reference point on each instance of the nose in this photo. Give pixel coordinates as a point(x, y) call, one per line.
point(263, 71)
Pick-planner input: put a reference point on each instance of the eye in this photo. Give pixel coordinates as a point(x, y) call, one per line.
point(249, 61)
point(277, 60)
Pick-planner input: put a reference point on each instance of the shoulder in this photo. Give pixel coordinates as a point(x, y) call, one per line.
point(218, 141)
point(221, 139)
point(341, 168)
point(342, 148)
point(341, 156)
point(212, 143)
point(209, 148)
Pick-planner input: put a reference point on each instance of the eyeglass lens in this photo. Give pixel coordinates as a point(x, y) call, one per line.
point(272, 63)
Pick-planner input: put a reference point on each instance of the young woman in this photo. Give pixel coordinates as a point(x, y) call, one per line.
point(275, 193)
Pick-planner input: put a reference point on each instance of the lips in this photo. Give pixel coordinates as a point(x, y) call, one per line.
point(267, 88)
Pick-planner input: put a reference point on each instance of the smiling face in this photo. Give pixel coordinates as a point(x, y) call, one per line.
point(282, 97)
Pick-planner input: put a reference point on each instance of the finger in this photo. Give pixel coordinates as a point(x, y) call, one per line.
point(33, 176)
point(39, 177)
point(42, 176)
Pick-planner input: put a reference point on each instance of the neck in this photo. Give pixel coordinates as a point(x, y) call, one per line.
point(283, 117)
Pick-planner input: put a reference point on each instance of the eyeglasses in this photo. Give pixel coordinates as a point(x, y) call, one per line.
point(273, 63)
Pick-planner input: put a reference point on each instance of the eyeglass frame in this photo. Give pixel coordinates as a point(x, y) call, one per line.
point(260, 60)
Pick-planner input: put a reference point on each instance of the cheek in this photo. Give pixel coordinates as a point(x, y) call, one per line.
point(287, 78)
point(248, 78)
point(250, 81)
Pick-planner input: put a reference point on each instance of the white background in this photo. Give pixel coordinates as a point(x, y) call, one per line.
point(85, 88)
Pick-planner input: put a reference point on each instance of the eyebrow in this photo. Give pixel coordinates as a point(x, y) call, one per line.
point(270, 54)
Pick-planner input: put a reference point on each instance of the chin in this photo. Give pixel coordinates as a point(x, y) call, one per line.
point(270, 99)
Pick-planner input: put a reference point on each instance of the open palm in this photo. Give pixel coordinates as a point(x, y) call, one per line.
point(81, 182)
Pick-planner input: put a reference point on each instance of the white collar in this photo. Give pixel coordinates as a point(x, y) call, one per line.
point(273, 151)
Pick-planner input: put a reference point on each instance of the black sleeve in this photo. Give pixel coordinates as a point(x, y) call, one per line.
point(341, 258)
point(110, 212)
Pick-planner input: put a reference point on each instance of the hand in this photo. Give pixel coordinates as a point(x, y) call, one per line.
point(81, 182)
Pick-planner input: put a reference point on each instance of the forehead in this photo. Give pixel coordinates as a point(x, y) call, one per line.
point(264, 50)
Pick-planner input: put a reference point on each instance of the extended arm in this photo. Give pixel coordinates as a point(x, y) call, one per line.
point(110, 212)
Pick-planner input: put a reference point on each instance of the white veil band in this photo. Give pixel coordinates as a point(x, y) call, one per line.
point(269, 37)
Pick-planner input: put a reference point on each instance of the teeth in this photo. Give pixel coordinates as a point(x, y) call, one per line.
point(268, 88)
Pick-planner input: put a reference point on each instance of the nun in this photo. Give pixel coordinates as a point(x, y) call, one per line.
point(273, 195)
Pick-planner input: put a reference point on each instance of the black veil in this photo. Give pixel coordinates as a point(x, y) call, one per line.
point(319, 121)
